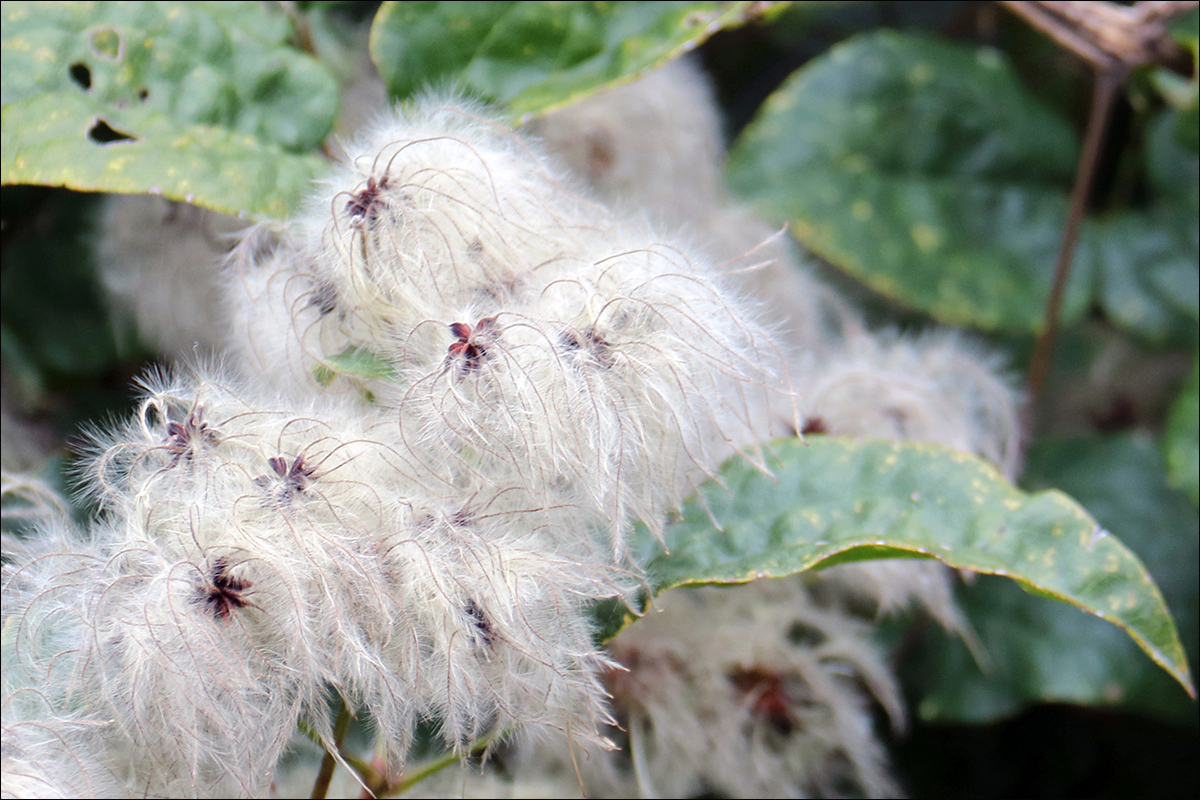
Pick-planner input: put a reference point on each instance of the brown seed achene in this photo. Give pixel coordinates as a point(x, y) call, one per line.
point(364, 206)
point(185, 439)
point(224, 593)
point(472, 345)
point(769, 695)
point(295, 478)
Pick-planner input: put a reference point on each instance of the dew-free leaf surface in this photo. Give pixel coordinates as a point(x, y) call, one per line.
point(1041, 652)
point(204, 103)
point(534, 57)
point(833, 501)
point(924, 169)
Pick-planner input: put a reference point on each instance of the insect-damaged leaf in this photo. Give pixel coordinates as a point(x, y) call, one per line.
point(48, 139)
point(533, 56)
point(203, 103)
point(832, 501)
point(923, 169)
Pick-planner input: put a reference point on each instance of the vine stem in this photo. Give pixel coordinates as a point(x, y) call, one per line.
point(1108, 81)
point(438, 764)
point(329, 762)
point(1113, 39)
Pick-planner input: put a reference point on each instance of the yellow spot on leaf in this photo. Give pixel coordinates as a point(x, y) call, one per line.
point(927, 239)
point(920, 74)
point(855, 164)
point(862, 210)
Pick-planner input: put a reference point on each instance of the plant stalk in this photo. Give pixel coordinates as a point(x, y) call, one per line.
point(329, 762)
point(1108, 81)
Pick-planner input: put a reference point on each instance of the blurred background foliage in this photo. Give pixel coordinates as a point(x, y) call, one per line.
point(925, 151)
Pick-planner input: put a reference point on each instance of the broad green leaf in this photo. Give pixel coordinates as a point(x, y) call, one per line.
point(1039, 652)
point(46, 140)
point(356, 361)
point(1147, 266)
point(224, 64)
point(834, 500)
point(535, 56)
point(1147, 262)
point(1183, 438)
point(922, 168)
point(202, 102)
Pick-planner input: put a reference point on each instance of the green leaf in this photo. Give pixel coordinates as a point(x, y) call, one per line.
point(834, 499)
point(1147, 263)
point(1039, 652)
point(922, 168)
point(201, 102)
point(356, 361)
point(45, 140)
point(1183, 438)
point(534, 56)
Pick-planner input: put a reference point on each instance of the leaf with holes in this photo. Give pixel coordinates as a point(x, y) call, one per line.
point(923, 169)
point(533, 56)
point(203, 103)
point(1038, 653)
point(832, 501)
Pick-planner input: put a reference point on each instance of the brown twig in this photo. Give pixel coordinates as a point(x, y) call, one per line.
point(1113, 39)
point(1104, 33)
point(1036, 15)
point(301, 28)
point(1108, 81)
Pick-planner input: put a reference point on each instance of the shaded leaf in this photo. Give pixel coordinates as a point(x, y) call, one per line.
point(56, 326)
point(533, 56)
point(1041, 652)
point(923, 169)
point(1183, 438)
point(202, 103)
point(1186, 30)
point(1147, 263)
point(835, 500)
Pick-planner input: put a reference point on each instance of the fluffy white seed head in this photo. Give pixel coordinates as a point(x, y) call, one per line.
point(531, 331)
point(439, 207)
point(120, 649)
point(779, 672)
point(336, 557)
point(935, 388)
